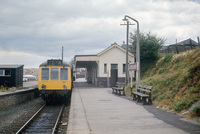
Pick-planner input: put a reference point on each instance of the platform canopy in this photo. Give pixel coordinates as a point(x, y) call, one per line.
point(85, 61)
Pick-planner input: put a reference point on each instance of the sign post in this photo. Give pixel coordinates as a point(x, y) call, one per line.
point(133, 67)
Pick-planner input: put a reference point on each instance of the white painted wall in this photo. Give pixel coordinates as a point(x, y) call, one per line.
point(113, 56)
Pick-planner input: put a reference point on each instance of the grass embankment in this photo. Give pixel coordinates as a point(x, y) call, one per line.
point(176, 83)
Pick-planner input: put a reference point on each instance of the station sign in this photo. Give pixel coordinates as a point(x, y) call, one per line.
point(132, 66)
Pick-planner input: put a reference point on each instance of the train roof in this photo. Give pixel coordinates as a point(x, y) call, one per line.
point(54, 62)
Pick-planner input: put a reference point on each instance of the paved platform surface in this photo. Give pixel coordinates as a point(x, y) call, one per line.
point(97, 111)
point(30, 84)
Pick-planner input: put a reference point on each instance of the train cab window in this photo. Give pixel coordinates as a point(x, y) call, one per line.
point(54, 73)
point(45, 73)
point(63, 74)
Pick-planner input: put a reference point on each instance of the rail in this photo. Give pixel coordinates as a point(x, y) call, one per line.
point(47, 115)
point(54, 128)
point(25, 125)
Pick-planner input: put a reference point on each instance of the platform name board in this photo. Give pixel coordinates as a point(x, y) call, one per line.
point(132, 66)
point(54, 62)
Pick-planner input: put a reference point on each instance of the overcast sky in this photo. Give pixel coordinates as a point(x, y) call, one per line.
point(32, 31)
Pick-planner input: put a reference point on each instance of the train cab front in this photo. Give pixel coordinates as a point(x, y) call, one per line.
point(54, 80)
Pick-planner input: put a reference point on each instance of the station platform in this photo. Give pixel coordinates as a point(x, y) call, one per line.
point(30, 84)
point(96, 110)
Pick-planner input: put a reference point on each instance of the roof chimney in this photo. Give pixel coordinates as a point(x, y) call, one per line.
point(113, 43)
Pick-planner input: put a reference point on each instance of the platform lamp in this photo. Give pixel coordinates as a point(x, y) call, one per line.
point(137, 47)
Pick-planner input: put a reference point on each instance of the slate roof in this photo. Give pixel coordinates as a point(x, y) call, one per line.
point(112, 46)
point(187, 42)
point(11, 66)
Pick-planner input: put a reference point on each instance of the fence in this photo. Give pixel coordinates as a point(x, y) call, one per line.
point(176, 49)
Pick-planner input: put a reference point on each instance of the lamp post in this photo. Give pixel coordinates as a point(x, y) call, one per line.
point(127, 36)
point(137, 46)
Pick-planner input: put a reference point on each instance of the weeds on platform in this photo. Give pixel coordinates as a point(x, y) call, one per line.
point(5, 89)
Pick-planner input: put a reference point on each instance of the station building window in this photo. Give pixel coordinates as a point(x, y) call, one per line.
point(45, 73)
point(2, 72)
point(54, 73)
point(124, 68)
point(6, 72)
point(105, 68)
point(64, 74)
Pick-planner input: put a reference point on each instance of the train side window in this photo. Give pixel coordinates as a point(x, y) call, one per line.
point(2, 72)
point(54, 73)
point(63, 74)
point(45, 73)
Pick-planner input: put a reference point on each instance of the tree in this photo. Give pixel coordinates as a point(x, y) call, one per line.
point(149, 46)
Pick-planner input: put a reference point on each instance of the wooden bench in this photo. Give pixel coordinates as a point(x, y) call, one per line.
point(119, 88)
point(143, 94)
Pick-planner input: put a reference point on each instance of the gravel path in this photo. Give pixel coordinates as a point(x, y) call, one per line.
point(11, 119)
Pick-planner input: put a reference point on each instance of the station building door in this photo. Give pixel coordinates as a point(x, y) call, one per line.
point(114, 74)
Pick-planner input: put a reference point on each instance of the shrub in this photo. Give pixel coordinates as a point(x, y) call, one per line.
point(153, 97)
point(196, 110)
point(190, 102)
point(191, 72)
point(179, 106)
point(154, 90)
point(194, 90)
point(161, 70)
point(161, 97)
point(172, 95)
point(168, 82)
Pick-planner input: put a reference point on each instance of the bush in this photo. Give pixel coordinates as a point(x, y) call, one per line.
point(194, 90)
point(196, 110)
point(179, 106)
point(153, 97)
point(161, 70)
point(172, 95)
point(168, 82)
point(191, 72)
point(149, 46)
point(154, 90)
point(190, 102)
point(161, 97)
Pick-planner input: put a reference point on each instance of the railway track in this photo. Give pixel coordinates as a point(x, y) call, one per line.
point(44, 120)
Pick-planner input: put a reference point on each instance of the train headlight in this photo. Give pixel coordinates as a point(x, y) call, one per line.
point(64, 87)
point(43, 86)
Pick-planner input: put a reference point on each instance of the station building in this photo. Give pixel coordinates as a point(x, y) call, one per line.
point(11, 75)
point(107, 67)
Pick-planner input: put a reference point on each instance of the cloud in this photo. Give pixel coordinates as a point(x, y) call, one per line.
point(28, 59)
point(41, 28)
